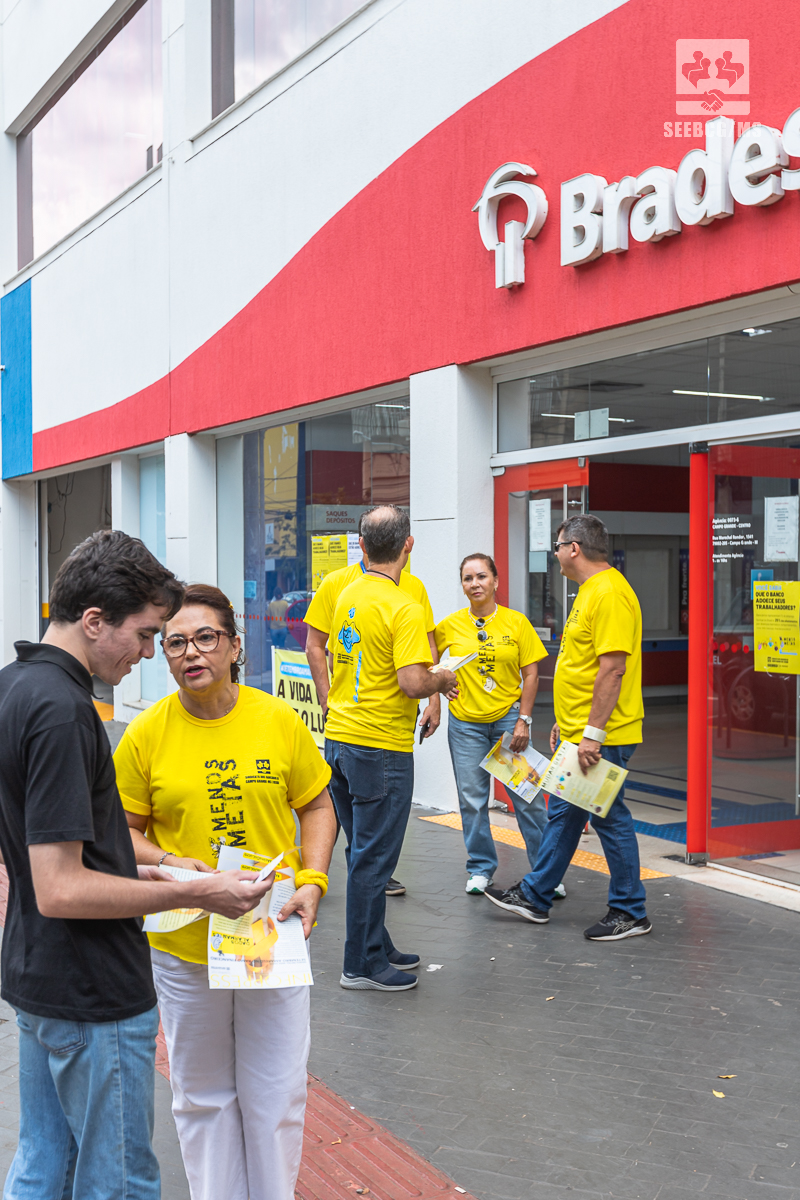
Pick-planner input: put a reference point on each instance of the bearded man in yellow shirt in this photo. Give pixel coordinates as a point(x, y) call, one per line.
point(381, 668)
point(597, 693)
point(319, 621)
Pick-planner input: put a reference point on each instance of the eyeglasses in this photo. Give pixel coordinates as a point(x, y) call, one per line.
point(206, 640)
point(557, 545)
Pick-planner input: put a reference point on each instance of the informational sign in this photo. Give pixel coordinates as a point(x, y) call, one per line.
point(780, 528)
point(539, 526)
point(329, 552)
point(776, 627)
point(291, 680)
point(733, 535)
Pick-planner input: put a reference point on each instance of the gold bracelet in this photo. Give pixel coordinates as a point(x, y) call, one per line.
point(308, 876)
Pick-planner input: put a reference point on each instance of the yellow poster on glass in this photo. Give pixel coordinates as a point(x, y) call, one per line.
point(291, 680)
point(328, 553)
point(776, 627)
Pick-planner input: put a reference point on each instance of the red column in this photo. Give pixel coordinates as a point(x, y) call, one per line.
point(698, 798)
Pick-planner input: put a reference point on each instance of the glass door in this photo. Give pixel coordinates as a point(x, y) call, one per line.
point(755, 749)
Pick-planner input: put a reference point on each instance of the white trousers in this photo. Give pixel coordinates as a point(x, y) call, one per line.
point(238, 1072)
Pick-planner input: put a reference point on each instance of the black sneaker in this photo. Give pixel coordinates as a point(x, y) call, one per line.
point(616, 925)
point(406, 962)
point(390, 980)
point(395, 888)
point(513, 900)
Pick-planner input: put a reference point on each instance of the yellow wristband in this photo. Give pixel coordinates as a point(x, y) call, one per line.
point(307, 876)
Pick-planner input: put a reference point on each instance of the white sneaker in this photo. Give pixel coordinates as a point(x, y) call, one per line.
point(477, 885)
point(560, 893)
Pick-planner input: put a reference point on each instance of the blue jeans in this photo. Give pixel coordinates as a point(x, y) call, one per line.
point(470, 741)
point(562, 834)
point(86, 1110)
point(371, 792)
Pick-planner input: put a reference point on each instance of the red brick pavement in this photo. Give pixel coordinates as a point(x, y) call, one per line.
point(345, 1153)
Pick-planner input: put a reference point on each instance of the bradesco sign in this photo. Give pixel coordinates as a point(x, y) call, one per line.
point(598, 217)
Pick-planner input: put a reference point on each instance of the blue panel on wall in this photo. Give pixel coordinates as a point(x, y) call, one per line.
point(15, 354)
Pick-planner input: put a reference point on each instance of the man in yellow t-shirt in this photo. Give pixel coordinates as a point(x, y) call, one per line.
point(597, 692)
point(319, 620)
point(381, 659)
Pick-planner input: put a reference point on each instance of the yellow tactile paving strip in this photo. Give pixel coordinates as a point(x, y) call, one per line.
point(511, 837)
point(106, 711)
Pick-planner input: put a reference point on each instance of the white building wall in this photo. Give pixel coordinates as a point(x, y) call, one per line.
point(239, 200)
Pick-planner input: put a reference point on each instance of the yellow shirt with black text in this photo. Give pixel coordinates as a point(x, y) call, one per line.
point(605, 619)
point(377, 629)
point(321, 609)
point(491, 683)
point(204, 784)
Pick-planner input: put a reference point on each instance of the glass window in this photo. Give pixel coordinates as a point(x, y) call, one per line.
point(270, 33)
point(153, 532)
point(100, 134)
point(750, 373)
point(293, 482)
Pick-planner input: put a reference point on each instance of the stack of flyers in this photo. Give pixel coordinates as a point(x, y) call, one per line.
point(521, 771)
point(174, 918)
point(595, 791)
point(257, 950)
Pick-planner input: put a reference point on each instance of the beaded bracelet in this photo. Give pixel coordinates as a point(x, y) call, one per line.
point(308, 876)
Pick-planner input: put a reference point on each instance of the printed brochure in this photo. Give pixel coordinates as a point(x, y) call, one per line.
point(174, 918)
point(454, 663)
point(596, 791)
point(521, 772)
point(258, 951)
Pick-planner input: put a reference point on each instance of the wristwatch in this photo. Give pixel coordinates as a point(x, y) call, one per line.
point(528, 720)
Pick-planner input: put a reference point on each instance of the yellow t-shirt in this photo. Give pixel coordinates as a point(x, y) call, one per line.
point(204, 783)
point(512, 643)
point(321, 609)
point(377, 628)
point(605, 619)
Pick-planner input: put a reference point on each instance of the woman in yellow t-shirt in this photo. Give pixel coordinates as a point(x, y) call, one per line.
point(213, 764)
point(496, 695)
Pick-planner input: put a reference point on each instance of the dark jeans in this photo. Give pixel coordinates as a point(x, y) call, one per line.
point(562, 834)
point(371, 792)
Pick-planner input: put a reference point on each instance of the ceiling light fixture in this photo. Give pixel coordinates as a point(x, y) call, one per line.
point(755, 332)
point(571, 417)
point(721, 395)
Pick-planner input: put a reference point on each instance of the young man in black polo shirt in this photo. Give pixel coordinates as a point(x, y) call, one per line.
point(75, 964)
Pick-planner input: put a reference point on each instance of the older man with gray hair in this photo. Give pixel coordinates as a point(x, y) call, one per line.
point(381, 668)
point(597, 692)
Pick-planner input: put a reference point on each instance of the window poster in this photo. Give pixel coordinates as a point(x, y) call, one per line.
point(539, 526)
point(331, 551)
point(776, 627)
point(780, 528)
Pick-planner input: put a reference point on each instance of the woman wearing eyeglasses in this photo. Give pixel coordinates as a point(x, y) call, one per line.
point(219, 763)
point(496, 695)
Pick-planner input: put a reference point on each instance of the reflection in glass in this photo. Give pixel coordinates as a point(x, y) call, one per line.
point(103, 133)
point(301, 480)
point(727, 378)
point(268, 34)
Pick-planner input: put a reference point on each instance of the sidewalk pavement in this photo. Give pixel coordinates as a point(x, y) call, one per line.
point(531, 1063)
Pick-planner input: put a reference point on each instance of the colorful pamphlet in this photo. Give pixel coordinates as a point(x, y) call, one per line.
point(595, 791)
point(174, 918)
point(257, 950)
point(452, 663)
point(521, 771)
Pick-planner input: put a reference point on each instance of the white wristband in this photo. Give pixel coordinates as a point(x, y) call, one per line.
point(594, 734)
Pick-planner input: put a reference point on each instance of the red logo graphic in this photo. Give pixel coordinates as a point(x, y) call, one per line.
point(712, 75)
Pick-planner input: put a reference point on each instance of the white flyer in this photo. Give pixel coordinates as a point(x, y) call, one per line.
point(539, 526)
point(257, 950)
point(780, 528)
point(174, 918)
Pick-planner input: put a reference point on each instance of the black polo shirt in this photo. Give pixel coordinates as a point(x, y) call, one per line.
point(57, 784)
